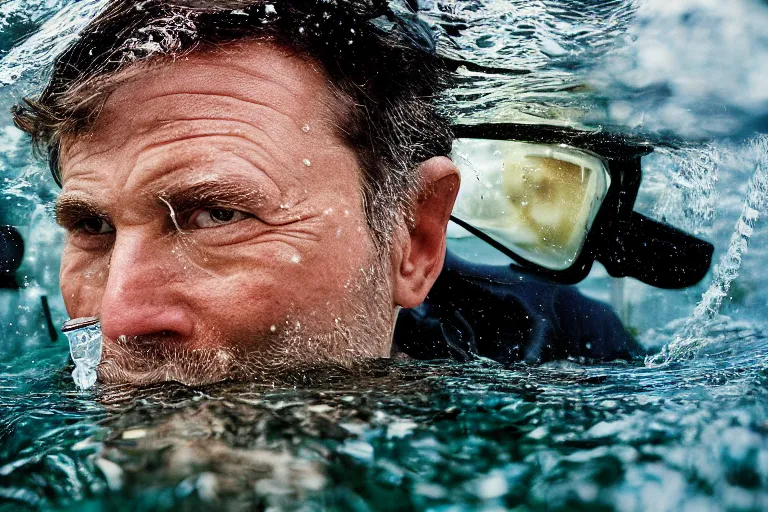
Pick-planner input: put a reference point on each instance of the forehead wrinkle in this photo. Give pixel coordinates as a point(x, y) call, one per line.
point(275, 61)
point(330, 117)
point(223, 99)
point(154, 86)
point(199, 126)
point(148, 150)
point(240, 66)
point(258, 157)
point(251, 139)
point(255, 180)
point(75, 154)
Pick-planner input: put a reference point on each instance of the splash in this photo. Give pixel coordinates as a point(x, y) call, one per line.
point(685, 182)
point(39, 50)
point(692, 336)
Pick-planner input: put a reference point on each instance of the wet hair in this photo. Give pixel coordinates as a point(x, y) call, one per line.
point(380, 64)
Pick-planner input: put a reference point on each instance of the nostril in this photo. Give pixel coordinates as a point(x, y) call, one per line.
point(170, 322)
point(148, 341)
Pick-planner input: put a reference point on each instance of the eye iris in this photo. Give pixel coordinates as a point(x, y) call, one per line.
point(220, 215)
point(92, 225)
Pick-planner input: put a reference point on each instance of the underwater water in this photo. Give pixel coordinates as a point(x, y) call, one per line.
point(687, 429)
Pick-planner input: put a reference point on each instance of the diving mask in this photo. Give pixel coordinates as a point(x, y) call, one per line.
point(556, 199)
point(538, 198)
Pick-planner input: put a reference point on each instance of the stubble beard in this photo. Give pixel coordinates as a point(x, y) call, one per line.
point(364, 332)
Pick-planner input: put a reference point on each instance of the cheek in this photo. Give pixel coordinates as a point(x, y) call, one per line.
point(345, 252)
point(82, 278)
point(252, 288)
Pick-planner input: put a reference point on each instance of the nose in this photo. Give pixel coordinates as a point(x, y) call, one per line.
point(142, 294)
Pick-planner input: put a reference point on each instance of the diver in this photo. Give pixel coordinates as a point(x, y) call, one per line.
point(559, 199)
point(563, 199)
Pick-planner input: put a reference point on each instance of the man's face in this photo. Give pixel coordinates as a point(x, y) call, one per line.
point(216, 224)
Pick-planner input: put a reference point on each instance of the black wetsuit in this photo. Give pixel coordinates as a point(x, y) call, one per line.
point(509, 316)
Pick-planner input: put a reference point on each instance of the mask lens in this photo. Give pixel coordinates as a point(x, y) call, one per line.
point(538, 200)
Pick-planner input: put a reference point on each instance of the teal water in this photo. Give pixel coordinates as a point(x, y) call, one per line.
point(688, 432)
point(399, 436)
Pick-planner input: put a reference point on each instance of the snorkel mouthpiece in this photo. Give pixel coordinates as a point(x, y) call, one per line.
point(84, 335)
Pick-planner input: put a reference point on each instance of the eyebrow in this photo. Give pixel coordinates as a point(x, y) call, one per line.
point(71, 209)
point(222, 193)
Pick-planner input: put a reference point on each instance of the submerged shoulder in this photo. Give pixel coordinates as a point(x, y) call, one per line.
point(506, 315)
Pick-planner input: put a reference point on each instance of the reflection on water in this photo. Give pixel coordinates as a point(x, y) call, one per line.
point(689, 435)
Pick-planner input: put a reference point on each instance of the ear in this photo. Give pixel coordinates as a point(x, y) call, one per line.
point(419, 256)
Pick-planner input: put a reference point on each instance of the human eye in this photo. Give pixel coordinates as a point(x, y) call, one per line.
point(215, 217)
point(93, 226)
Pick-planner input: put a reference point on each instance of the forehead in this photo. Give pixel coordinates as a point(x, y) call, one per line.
point(252, 90)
